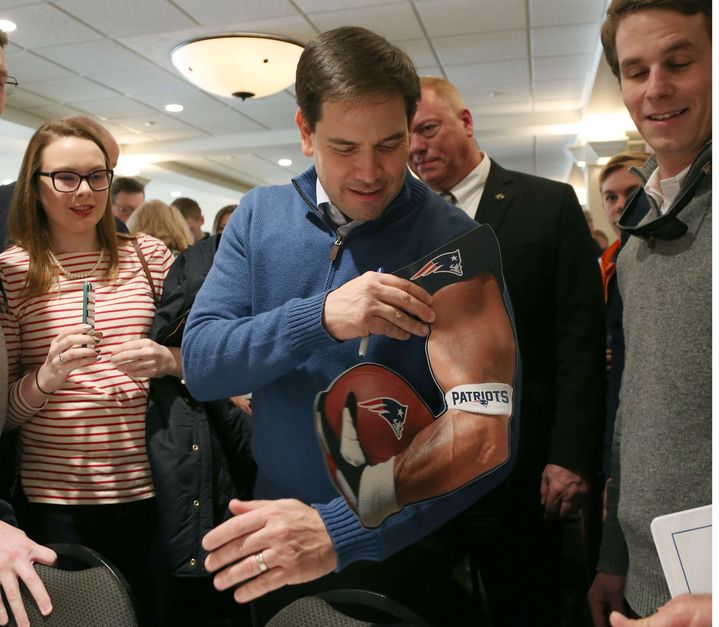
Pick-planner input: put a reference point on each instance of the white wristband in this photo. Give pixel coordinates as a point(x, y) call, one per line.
point(494, 399)
point(377, 496)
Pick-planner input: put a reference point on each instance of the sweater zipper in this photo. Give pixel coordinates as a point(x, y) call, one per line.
point(339, 240)
point(336, 247)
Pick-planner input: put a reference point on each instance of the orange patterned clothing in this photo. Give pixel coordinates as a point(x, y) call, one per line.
point(608, 266)
point(86, 445)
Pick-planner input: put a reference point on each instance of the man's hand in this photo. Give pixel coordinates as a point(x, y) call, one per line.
point(146, 358)
point(606, 594)
point(687, 610)
point(563, 492)
point(242, 403)
point(286, 536)
point(376, 303)
point(17, 555)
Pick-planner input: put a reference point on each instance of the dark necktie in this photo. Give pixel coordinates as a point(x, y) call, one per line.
point(449, 197)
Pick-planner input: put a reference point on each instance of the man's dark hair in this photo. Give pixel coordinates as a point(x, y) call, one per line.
point(349, 63)
point(619, 9)
point(3, 39)
point(188, 207)
point(126, 184)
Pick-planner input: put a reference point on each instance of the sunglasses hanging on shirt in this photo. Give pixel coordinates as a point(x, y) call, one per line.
point(668, 226)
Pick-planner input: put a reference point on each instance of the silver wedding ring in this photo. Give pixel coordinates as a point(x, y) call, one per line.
point(261, 562)
point(61, 358)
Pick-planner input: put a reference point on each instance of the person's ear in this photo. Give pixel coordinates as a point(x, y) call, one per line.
point(466, 116)
point(305, 134)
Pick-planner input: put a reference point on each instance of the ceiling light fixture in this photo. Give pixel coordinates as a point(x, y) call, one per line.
point(174, 108)
point(239, 65)
point(285, 163)
point(7, 26)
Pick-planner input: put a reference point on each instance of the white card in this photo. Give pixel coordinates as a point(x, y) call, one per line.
point(684, 544)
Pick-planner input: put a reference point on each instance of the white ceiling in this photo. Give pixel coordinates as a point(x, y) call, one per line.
point(527, 69)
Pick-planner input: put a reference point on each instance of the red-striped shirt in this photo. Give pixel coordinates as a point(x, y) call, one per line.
point(86, 445)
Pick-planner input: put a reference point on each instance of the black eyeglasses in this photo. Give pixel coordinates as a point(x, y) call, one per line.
point(8, 84)
point(66, 181)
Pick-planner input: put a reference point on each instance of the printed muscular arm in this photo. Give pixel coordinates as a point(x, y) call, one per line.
point(471, 342)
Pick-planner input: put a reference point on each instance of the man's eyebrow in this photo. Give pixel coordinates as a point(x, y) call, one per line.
point(677, 46)
point(392, 138)
point(346, 142)
point(339, 140)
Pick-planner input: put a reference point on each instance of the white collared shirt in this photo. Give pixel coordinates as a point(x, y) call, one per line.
point(342, 224)
point(665, 191)
point(468, 191)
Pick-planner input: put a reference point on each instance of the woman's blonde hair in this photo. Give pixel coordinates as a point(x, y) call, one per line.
point(165, 223)
point(27, 221)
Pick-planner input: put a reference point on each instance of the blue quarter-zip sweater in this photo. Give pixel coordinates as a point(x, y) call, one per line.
point(256, 326)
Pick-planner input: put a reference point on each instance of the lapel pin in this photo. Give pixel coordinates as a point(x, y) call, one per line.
point(499, 196)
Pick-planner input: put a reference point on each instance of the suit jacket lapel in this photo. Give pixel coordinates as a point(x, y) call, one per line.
point(496, 198)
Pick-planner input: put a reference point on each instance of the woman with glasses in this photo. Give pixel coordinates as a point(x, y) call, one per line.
point(78, 390)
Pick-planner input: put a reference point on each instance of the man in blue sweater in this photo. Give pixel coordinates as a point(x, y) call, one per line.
point(292, 291)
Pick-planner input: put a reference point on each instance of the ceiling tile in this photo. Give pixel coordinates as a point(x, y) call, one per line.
point(560, 40)
point(558, 90)
point(175, 134)
point(471, 16)
point(152, 123)
point(394, 21)
point(115, 107)
point(22, 99)
point(503, 46)
point(129, 17)
point(28, 67)
point(419, 51)
point(154, 86)
point(501, 108)
point(274, 113)
point(572, 104)
point(313, 6)
point(41, 25)
point(224, 11)
point(88, 57)
point(565, 66)
point(487, 76)
point(480, 95)
point(554, 12)
point(218, 119)
point(70, 89)
point(54, 111)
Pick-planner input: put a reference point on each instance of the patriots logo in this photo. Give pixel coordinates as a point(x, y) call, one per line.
point(391, 410)
point(446, 262)
point(484, 402)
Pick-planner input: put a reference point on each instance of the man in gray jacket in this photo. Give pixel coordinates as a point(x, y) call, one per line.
point(661, 52)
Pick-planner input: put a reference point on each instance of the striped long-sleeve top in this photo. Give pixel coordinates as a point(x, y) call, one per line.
point(86, 445)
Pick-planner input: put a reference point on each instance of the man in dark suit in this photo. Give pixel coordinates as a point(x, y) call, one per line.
point(555, 287)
